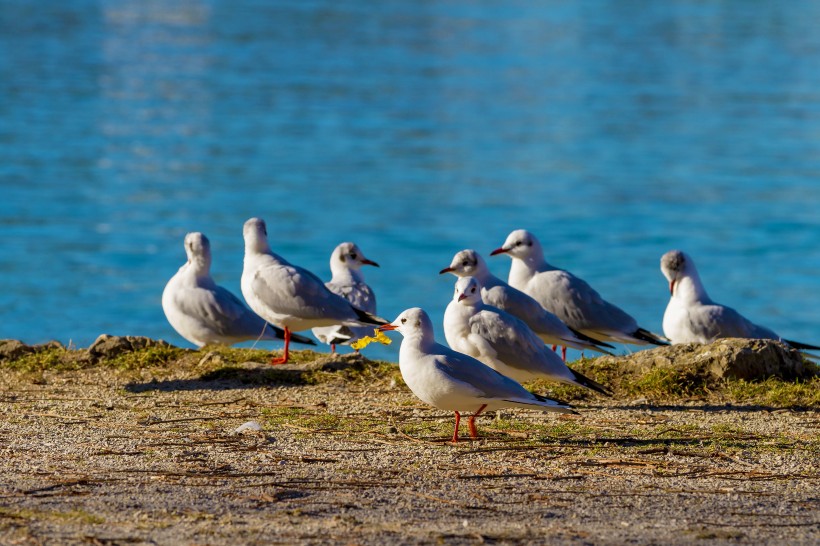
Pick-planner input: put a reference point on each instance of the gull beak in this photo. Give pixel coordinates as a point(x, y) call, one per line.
point(461, 296)
point(365, 261)
point(446, 270)
point(672, 287)
point(501, 250)
point(386, 327)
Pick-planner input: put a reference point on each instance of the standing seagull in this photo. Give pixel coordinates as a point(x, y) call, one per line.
point(453, 381)
point(203, 312)
point(570, 298)
point(503, 342)
point(495, 292)
point(692, 316)
point(347, 281)
point(287, 295)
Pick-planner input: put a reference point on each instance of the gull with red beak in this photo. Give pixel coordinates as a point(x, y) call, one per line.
point(503, 342)
point(692, 317)
point(290, 296)
point(348, 281)
point(499, 294)
point(571, 299)
point(453, 381)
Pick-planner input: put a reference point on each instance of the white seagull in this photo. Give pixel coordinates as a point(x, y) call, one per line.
point(287, 295)
point(453, 381)
point(495, 292)
point(347, 281)
point(569, 297)
point(203, 312)
point(692, 316)
point(503, 342)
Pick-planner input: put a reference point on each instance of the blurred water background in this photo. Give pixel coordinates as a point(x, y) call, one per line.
point(614, 130)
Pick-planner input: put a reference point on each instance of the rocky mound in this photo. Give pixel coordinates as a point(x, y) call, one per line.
point(730, 358)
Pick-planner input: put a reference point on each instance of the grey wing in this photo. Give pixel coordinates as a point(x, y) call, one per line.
point(575, 302)
point(211, 307)
point(718, 321)
point(244, 321)
point(482, 379)
point(295, 291)
point(360, 295)
point(511, 339)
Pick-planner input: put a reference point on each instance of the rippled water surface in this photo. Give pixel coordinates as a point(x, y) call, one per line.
point(613, 130)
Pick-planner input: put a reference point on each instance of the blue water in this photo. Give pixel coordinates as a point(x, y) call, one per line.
point(615, 131)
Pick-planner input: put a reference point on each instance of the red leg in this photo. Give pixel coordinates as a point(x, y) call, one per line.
point(564, 353)
point(455, 432)
point(284, 358)
point(554, 347)
point(471, 422)
point(333, 348)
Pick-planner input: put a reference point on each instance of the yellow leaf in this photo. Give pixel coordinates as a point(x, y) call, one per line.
point(363, 342)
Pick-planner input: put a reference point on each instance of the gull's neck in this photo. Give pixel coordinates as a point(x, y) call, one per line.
point(689, 289)
point(199, 266)
point(345, 275)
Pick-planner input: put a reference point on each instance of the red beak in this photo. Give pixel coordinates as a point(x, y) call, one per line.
point(386, 327)
point(501, 250)
point(672, 287)
point(446, 270)
point(365, 261)
point(461, 296)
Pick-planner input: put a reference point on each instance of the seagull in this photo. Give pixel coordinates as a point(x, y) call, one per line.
point(347, 281)
point(287, 295)
point(499, 294)
point(203, 312)
point(692, 316)
point(569, 297)
point(503, 342)
point(453, 381)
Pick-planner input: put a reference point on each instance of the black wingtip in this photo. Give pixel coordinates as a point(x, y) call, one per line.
point(591, 384)
point(541, 398)
point(280, 334)
point(301, 339)
point(801, 346)
point(367, 318)
point(649, 337)
point(592, 340)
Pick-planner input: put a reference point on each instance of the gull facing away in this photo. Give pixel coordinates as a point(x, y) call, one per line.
point(453, 381)
point(569, 297)
point(287, 295)
point(692, 317)
point(347, 281)
point(495, 292)
point(203, 312)
point(503, 342)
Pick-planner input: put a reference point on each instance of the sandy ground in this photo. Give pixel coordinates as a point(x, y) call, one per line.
point(100, 456)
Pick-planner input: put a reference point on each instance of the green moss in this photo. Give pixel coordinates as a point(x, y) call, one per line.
point(670, 382)
point(671, 385)
point(74, 516)
point(157, 355)
point(53, 358)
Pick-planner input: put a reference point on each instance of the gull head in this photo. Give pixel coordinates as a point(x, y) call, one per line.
point(198, 249)
point(411, 323)
point(256, 236)
point(519, 244)
point(674, 265)
point(466, 263)
point(349, 256)
point(468, 291)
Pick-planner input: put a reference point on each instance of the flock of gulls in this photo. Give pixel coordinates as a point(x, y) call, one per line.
point(499, 333)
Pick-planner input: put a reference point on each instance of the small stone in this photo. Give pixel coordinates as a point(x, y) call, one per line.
point(251, 426)
point(12, 349)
